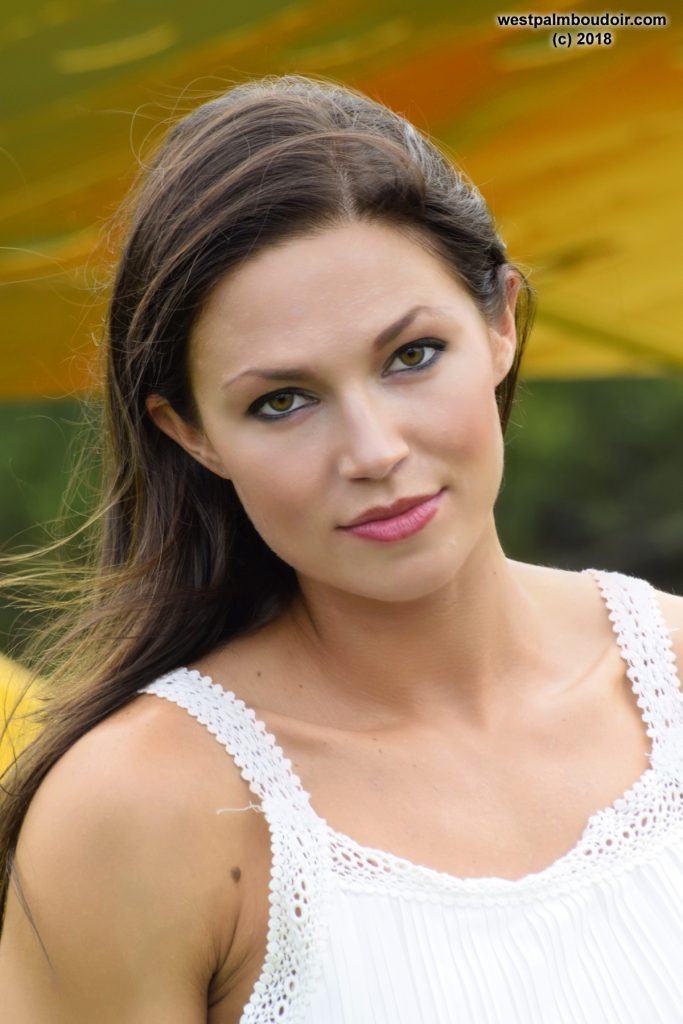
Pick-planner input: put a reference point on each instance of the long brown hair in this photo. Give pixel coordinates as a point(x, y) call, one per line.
point(173, 567)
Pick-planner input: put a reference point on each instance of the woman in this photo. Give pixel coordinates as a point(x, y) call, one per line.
point(313, 344)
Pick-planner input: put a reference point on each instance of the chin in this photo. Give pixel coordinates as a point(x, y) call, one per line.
point(413, 581)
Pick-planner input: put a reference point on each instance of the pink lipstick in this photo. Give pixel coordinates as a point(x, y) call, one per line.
point(400, 526)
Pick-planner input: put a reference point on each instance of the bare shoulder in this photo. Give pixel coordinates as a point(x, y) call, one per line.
point(671, 606)
point(124, 865)
point(580, 599)
point(151, 768)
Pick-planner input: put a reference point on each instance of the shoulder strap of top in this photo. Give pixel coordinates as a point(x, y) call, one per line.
point(300, 872)
point(645, 643)
point(254, 750)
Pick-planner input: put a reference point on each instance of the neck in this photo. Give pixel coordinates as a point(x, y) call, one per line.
point(456, 649)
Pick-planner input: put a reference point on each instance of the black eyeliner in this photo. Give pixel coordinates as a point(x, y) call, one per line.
point(422, 344)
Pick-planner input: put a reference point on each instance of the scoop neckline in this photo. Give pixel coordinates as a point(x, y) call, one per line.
point(580, 859)
point(567, 865)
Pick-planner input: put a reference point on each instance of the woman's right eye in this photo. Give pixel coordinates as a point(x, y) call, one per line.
point(272, 400)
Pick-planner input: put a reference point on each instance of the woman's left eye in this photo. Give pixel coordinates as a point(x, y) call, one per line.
point(415, 348)
point(419, 347)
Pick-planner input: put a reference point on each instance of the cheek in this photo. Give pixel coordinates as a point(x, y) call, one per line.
point(275, 493)
point(466, 420)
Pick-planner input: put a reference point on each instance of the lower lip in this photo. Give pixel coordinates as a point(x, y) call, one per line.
point(400, 526)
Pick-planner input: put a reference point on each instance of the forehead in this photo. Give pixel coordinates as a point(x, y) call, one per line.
point(344, 280)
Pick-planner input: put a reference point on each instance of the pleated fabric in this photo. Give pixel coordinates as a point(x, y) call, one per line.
point(608, 953)
point(361, 936)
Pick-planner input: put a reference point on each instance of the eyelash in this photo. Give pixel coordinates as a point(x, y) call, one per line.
point(439, 346)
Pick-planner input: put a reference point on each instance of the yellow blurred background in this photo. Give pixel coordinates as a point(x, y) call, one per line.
point(579, 152)
point(18, 732)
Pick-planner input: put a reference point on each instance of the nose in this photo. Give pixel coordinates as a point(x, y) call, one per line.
point(370, 443)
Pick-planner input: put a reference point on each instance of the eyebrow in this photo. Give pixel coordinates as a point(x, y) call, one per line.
point(304, 373)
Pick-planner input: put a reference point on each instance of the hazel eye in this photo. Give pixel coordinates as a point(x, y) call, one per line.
point(417, 349)
point(286, 395)
point(274, 400)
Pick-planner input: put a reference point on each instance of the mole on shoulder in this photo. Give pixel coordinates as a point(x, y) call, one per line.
point(236, 873)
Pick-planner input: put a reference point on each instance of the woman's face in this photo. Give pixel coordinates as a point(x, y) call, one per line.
point(353, 420)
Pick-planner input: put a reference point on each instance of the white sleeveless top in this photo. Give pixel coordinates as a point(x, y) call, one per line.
point(360, 936)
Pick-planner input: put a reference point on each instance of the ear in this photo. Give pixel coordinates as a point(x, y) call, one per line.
point(192, 440)
point(504, 334)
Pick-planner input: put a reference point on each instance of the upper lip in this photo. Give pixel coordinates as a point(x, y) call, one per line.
point(389, 511)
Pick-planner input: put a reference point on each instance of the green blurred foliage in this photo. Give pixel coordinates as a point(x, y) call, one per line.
point(34, 465)
point(593, 477)
point(40, 444)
